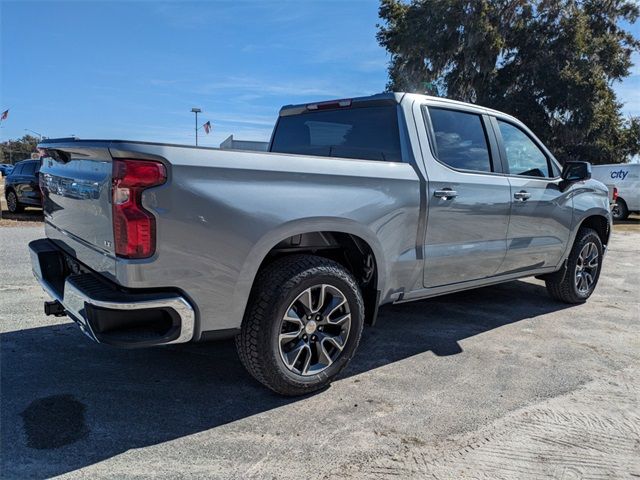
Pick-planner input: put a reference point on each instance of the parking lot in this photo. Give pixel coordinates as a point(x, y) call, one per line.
point(501, 382)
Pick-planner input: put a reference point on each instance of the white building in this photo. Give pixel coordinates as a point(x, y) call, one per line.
point(231, 143)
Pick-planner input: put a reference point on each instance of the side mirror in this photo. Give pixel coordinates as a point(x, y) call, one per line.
point(576, 171)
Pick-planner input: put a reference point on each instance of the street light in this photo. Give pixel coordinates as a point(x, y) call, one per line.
point(196, 111)
point(33, 131)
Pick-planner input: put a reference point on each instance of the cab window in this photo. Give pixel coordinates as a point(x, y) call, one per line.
point(29, 168)
point(524, 157)
point(366, 133)
point(460, 139)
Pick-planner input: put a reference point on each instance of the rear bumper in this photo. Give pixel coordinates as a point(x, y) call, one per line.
point(107, 313)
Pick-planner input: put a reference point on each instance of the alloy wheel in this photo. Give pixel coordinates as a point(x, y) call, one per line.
point(314, 330)
point(586, 268)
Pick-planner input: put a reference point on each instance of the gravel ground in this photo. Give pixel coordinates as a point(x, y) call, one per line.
point(501, 382)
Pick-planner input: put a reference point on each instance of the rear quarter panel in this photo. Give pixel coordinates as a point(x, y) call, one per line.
point(222, 211)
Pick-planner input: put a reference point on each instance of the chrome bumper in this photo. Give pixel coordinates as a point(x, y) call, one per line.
point(81, 293)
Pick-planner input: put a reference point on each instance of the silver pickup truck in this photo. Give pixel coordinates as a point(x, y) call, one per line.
point(358, 203)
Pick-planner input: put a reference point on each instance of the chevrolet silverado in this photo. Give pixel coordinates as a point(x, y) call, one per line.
point(358, 203)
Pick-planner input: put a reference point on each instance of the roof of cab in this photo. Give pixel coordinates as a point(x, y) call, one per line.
point(387, 98)
point(368, 101)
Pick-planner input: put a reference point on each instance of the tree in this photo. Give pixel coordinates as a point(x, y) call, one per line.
point(12, 151)
point(551, 63)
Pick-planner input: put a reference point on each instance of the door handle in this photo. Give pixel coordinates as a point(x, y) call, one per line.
point(445, 193)
point(522, 195)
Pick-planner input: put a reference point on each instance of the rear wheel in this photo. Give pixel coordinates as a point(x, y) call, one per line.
point(620, 211)
point(12, 202)
point(302, 326)
point(579, 280)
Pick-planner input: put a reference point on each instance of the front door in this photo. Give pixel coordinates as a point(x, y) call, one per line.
point(468, 200)
point(541, 214)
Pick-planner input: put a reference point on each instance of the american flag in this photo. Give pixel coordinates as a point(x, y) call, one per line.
point(207, 127)
point(4, 115)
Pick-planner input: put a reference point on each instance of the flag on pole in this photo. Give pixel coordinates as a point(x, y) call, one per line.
point(207, 127)
point(4, 115)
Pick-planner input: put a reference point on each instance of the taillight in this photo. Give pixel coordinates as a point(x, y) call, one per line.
point(134, 228)
point(615, 193)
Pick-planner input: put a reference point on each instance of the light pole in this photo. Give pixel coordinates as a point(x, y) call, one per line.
point(196, 111)
point(33, 131)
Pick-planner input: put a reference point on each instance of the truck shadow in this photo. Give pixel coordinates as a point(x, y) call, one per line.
point(68, 403)
point(28, 215)
point(631, 220)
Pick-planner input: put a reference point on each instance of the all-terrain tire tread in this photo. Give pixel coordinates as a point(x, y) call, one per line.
point(560, 284)
point(270, 288)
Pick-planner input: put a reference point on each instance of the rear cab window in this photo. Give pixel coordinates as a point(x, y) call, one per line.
point(367, 133)
point(460, 139)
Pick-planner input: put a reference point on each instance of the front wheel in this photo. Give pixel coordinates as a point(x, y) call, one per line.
point(302, 325)
point(579, 280)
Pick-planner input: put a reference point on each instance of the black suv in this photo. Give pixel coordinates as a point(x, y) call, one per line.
point(21, 187)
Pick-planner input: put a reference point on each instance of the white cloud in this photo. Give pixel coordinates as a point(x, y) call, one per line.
point(159, 82)
point(263, 120)
point(265, 87)
point(251, 88)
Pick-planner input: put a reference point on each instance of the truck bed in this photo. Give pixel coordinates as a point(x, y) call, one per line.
point(219, 213)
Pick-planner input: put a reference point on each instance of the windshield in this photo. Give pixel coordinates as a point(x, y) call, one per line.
point(368, 133)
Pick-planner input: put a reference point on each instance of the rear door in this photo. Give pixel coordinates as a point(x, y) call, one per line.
point(18, 179)
point(541, 214)
point(29, 190)
point(468, 198)
point(15, 178)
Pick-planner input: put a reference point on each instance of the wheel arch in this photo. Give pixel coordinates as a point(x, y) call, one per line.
point(598, 219)
point(322, 237)
point(600, 224)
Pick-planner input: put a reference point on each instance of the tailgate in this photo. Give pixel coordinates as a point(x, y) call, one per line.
point(75, 179)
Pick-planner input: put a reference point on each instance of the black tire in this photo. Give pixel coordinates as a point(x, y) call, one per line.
point(563, 284)
point(276, 289)
point(620, 211)
point(12, 202)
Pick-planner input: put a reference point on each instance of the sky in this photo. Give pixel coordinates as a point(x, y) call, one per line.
point(134, 70)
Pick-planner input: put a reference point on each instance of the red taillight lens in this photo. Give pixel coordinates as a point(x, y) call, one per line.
point(134, 228)
point(615, 194)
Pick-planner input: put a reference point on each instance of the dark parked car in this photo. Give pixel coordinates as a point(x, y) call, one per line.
point(5, 169)
point(21, 186)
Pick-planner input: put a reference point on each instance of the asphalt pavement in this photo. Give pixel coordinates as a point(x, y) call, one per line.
point(500, 382)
